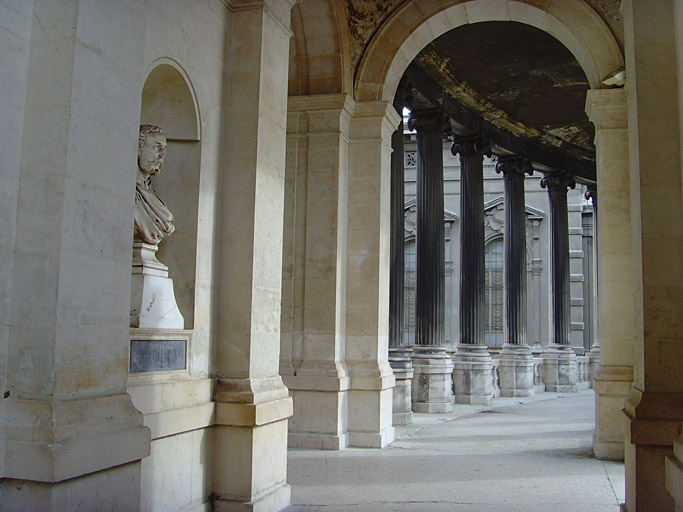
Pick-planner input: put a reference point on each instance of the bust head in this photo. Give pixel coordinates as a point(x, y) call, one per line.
point(151, 149)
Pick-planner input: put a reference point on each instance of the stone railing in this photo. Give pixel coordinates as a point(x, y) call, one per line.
point(583, 376)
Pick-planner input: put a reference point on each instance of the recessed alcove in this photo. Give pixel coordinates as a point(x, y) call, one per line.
point(168, 102)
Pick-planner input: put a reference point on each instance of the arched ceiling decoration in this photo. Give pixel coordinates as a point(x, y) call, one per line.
point(516, 84)
point(319, 60)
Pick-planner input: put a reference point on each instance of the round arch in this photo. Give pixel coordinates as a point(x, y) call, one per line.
point(573, 22)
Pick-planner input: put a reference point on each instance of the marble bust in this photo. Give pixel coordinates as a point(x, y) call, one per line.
point(153, 219)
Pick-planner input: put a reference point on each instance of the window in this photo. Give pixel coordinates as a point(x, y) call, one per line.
point(493, 294)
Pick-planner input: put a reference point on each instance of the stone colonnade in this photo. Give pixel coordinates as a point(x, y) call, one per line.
point(473, 368)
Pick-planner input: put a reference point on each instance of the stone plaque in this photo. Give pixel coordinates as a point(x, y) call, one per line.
point(157, 355)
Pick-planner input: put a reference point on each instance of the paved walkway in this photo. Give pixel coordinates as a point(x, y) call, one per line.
point(531, 455)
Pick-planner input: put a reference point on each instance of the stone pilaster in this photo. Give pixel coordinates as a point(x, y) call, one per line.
point(614, 376)
point(252, 403)
point(516, 361)
point(71, 435)
point(559, 365)
point(367, 276)
point(432, 386)
point(318, 133)
point(472, 362)
point(399, 358)
point(654, 408)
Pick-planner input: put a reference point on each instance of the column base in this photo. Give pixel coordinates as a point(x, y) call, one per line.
point(276, 499)
point(652, 424)
point(399, 360)
point(473, 375)
point(612, 385)
point(320, 395)
point(83, 450)
point(432, 390)
point(250, 444)
point(559, 369)
point(370, 405)
point(593, 362)
point(516, 370)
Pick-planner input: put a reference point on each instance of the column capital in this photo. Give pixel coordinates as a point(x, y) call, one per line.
point(514, 166)
point(592, 194)
point(469, 145)
point(558, 181)
point(432, 121)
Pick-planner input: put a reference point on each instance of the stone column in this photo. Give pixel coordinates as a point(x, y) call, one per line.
point(559, 359)
point(472, 374)
point(432, 385)
point(594, 353)
point(367, 275)
point(607, 110)
point(318, 129)
point(516, 362)
point(399, 357)
point(654, 408)
point(252, 403)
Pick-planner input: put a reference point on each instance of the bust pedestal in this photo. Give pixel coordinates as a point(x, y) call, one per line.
point(152, 300)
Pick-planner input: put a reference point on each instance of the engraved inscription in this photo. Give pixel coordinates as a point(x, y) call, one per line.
point(157, 355)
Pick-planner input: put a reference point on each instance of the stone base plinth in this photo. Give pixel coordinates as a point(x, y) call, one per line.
point(399, 360)
point(516, 371)
point(432, 388)
point(559, 369)
point(593, 363)
point(473, 375)
point(320, 395)
point(152, 299)
point(612, 385)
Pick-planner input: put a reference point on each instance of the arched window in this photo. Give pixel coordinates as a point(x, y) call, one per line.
point(493, 294)
point(409, 295)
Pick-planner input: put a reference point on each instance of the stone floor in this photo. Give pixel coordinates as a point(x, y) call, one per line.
point(531, 455)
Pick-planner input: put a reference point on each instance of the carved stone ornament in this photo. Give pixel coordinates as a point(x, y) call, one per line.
point(558, 181)
point(153, 219)
point(514, 166)
point(592, 193)
point(429, 121)
point(471, 145)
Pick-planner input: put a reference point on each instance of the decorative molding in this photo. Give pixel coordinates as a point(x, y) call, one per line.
point(410, 220)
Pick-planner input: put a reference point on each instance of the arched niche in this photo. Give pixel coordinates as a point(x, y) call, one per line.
point(168, 101)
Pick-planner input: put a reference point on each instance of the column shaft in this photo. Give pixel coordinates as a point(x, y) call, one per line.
point(431, 391)
point(430, 276)
point(397, 268)
point(560, 370)
point(559, 255)
point(471, 152)
point(516, 362)
point(472, 374)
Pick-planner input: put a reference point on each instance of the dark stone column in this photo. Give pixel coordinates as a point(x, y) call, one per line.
point(594, 353)
point(513, 169)
point(471, 151)
point(430, 243)
point(472, 373)
point(432, 365)
point(516, 362)
point(560, 364)
point(397, 268)
point(399, 358)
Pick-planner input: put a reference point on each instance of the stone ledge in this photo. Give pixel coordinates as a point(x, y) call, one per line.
point(250, 415)
point(183, 419)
